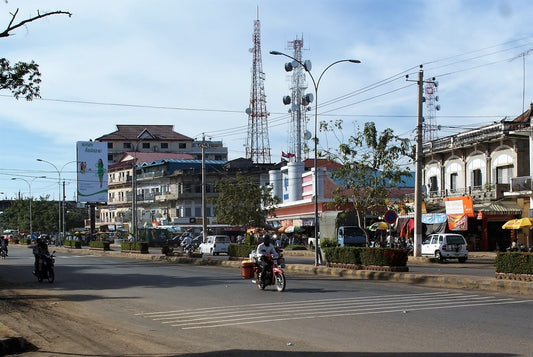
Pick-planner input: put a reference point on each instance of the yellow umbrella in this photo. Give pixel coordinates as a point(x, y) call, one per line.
point(379, 226)
point(518, 223)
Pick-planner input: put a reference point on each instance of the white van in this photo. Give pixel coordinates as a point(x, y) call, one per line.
point(215, 245)
point(444, 246)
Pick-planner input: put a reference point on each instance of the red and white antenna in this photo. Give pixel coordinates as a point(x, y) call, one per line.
point(257, 142)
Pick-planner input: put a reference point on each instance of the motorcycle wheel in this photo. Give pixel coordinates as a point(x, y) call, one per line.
point(51, 276)
point(280, 282)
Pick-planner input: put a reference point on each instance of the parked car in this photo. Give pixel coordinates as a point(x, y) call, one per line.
point(215, 245)
point(445, 246)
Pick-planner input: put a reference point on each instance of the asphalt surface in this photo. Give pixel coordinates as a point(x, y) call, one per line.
point(476, 274)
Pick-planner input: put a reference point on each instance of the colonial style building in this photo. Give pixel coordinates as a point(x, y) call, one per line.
point(480, 163)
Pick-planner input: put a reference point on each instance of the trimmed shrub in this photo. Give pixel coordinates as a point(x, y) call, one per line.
point(328, 243)
point(384, 257)
point(72, 243)
point(137, 246)
point(240, 250)
point(514, 262)
point(295, 247)
point(367, 256)
point(105, 245)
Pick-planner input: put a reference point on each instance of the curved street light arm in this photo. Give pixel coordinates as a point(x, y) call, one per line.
point(315, 85)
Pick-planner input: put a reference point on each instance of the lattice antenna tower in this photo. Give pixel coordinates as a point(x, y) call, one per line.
point(299, 106)
point(257, 142)
point(431, 98)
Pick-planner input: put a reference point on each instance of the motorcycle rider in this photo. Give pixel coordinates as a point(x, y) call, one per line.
point(186, 241)
point(4, 242)
point(39, 250)
point(263, 250)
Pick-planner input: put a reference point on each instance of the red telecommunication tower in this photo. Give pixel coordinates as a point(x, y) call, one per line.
point(257, 142)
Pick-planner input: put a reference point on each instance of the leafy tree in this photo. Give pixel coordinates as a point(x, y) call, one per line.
point(243, 202)
point(370, 168)
point(22, 78)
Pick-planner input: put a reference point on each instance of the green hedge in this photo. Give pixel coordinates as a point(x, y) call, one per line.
point(367, 256)
point(296, 247)
point(24, 241)
point(384, 257)
point(105, 245)
point(72, 243)
point(240, 250)
point(514, 262)
point(343, 255)
point(139, 246)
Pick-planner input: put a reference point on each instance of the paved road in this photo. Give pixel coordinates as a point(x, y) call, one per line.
point(200, 310)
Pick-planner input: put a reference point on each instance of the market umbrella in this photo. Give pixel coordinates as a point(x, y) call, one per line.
point(292, 229)
point(518, 223)
point(378, 226)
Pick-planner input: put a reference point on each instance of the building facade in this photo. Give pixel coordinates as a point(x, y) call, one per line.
point(480, 164)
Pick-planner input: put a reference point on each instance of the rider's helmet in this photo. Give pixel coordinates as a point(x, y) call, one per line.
point(266, 239)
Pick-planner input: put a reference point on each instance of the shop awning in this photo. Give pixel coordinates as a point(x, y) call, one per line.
point(498, 208)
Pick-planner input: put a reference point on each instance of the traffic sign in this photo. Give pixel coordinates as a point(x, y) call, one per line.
point(390, 217)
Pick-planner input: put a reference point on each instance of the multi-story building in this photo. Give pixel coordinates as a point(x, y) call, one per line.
point(169, 189)
point(480, 163)
point(161, 139)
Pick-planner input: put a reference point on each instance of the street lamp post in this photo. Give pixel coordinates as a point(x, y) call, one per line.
point(31, 198)
point(59, 231)
point(307, 68)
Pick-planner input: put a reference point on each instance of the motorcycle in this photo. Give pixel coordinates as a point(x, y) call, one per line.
point(188, 249)
point(274, 276)
point(46, 268)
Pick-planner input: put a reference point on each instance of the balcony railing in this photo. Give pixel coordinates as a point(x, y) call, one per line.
point(478, 193)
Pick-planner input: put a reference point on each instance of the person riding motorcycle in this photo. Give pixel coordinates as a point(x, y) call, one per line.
point(187, 240)
point(39, 250)
point(4, 242)
point(263, 250)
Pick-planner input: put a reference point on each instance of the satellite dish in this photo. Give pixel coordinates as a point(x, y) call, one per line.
point(308, 98)
point(437, 107)
point(286, 100)
point(307, 65)
point(288, 67)
point(248, 111)
point(307, 135)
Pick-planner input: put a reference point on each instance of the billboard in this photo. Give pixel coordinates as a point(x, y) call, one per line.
point(91, 162)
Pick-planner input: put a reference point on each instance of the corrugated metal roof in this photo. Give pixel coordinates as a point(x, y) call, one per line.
point(502, 207)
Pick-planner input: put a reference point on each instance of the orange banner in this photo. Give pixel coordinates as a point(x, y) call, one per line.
point(459, 206)
point(458, 222)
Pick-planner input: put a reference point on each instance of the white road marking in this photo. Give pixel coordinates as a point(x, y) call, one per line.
point(233, 315)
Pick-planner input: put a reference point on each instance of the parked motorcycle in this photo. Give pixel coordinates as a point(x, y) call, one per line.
point(46, 268)
point(274, 276)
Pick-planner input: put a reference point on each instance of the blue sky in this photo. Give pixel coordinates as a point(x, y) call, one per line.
point(187, 63)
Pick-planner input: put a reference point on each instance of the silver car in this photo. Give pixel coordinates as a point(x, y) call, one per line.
point(444, 246)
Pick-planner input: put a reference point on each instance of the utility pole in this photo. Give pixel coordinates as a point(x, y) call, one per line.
point(63, 211)
point(418, 171)
point(419, 155)
point(204, 218)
